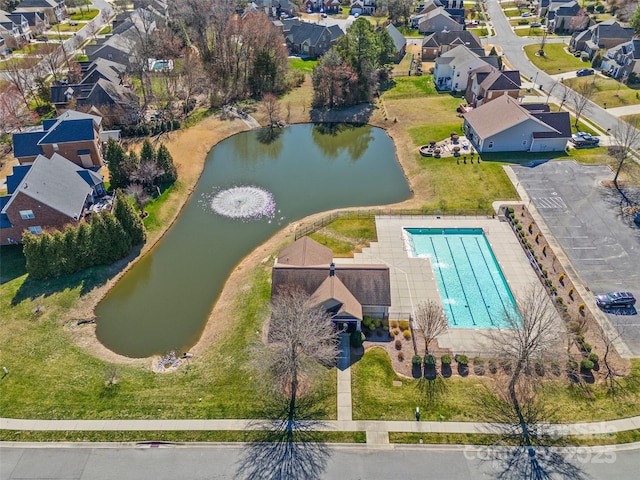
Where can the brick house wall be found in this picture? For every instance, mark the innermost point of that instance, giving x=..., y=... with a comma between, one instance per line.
x=44, y=216
x=70, y=151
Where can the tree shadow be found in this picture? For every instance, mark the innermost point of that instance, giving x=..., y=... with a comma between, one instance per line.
x=288, y=446
x=12, y=263
x=268, y=135
x=432, y=390
x=416, y=371
x=356, y=114
x=87, y=280
x=430, y=372
x=527, y=445
x=446, y=371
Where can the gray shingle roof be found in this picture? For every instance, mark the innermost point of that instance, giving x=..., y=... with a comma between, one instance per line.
x=399, y=41
x=57, y=183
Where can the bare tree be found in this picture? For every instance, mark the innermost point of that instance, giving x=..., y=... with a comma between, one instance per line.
x=53, y=61
x=580, y=99
x=13, y=113
x=564, y=94
x=301, y=339
x=430, y=321
x=19, y=78
x=139, y=194
x=192, y=78
x=271, y=107
x=147, y=173
x=626, y=138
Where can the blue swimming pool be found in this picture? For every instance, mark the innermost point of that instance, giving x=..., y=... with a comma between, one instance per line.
x=473, y=289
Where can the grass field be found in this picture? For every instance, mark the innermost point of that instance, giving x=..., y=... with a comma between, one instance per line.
x=411, y=87
x=374, y=396
x=556, y=60
x=83, y=14
x=608, y=91
x=302, y=64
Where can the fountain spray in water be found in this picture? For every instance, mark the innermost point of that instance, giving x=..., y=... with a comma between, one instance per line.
x=246, y=202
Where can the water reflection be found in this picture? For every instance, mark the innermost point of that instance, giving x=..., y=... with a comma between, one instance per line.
x=336, y=139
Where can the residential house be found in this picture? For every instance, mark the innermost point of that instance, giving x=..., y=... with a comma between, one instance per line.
x=48, y=194
x=544, y=5
x=122, y=44
x=349, y=292
x=74, y=135
x=604, y=35
x=363, y=7
x=485, y=86
x=399, y=42
x=54, y=10
x=14, y=29
x=158, y=8
x=311, y=39
x=285, y=24
x=623, y=60
x=437, y=20
x=37, y=21
x=438, y=43
x=452, y=68
x=567, y=17
x=504, y=125
x=327, y=6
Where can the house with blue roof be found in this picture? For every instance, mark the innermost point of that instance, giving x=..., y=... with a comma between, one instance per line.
x=74, y=135
x=48, y=194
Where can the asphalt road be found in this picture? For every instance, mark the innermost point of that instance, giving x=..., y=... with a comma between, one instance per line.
x=512, y=47
x=586, y=219
x=309, y=461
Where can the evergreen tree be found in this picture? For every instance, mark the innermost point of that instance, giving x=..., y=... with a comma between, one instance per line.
x=132, y=163
x=36, y=262
x=100, y=241
x=71, y=260
x=119, y=244
x=45, y=251
x=116, y=159
x=130, y=221
x=165, y=163
x=147, y=153
x=58, y=255
x=83, y=252
x=635, y=21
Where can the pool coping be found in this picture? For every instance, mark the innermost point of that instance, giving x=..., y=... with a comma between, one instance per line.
x=413, y=280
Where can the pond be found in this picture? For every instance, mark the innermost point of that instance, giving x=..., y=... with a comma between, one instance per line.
x=164, y=301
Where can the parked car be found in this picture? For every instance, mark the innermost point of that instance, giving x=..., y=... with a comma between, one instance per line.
x=526, y=14
x=42, y=38
x=583, y=139
x=615, y=299
x=584, y=72
x=323, y=15
x=535, y=24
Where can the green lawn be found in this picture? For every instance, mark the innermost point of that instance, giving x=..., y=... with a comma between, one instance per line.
x=84, y=14
x=609, y=91
x=456, y=399
x=303, y=65
x=481, y=32
x=631, y=118
x=402, y=68
x=106, y=30
x=556, y=60
x=51, y=377
x=408, y=31
x=411, y=87
x=66, y=27
x=513, y=12
x=345, y=235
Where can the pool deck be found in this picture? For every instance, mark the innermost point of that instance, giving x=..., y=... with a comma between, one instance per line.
x=413, y=280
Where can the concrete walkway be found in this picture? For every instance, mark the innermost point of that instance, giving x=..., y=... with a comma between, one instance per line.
x=627, y=110
x=344, y=379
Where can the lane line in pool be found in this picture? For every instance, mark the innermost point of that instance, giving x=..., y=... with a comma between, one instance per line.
x=493, y=280
x=444, y=284
x=475, y=277
x=473, y=320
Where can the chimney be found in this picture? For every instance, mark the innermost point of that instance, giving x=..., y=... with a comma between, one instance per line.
x=332, y=269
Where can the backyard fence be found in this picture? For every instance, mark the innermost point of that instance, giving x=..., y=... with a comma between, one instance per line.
x=426, y=213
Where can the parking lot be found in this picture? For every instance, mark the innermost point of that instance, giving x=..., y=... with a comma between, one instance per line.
x=586, y=219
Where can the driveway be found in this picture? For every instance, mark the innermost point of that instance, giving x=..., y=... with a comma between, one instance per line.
x=586, y=219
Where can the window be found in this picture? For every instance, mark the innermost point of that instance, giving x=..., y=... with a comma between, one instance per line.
x=27, y=214
x=490, y=145
x=36, y=230
x=524, y=142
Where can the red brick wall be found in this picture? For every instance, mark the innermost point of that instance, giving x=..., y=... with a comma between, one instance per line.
x=45, y=217
x=70, y=151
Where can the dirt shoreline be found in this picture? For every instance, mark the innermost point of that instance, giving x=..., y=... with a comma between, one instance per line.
x=189, y=149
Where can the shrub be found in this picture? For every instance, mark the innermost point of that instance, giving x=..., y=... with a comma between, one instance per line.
x=385, y=324
x=493, y=366
x=401, y=356
x=539, y=367
x=581, y=307
x=462, y=360
x=445, y=359
x=478, y=361
x=403, y=324
x=561, y=278
x=416, y=360
x=396, y=332
x=356, y=339
x=571, y=292
x=560, y=300
x=398, y=344
x=545, y=274
x=530, y=228
x=549, y=282
x=572, y=365
x=586, y=346
x=544, y=249
x=537, y=238
x=555, y=367
x=586, y=365
x=593, y=357
x=406, y=334
x=393, y=323
x=429, y=360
